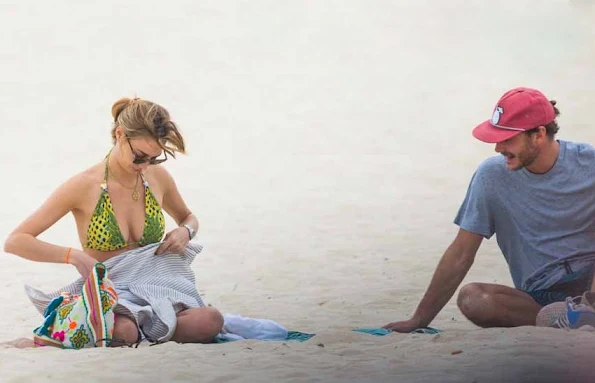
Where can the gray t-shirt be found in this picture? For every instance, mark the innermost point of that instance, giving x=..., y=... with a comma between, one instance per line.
x=540, y=220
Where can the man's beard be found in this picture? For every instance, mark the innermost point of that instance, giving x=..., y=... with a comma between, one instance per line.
x=525, y=158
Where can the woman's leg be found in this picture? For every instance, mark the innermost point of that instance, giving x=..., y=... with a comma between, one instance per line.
x=198, y=325
x=125, y=331
x=19, y=343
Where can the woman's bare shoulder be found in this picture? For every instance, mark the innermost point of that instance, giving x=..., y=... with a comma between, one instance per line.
x=87, y=179
x=159, y=174
x=74, y=193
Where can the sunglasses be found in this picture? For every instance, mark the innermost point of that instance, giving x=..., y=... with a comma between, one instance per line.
x=141, y=160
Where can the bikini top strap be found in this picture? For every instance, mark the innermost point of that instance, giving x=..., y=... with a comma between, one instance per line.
x=145, y=182
x=106, y=171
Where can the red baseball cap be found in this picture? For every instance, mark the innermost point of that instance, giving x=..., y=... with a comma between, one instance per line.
x=518, y=110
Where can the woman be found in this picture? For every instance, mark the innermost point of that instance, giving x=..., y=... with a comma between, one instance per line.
x=116, y=210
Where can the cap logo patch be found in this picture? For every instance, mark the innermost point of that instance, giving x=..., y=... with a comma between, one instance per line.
x=496, y=116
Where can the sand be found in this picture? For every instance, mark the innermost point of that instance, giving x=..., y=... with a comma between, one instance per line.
x=329, y=149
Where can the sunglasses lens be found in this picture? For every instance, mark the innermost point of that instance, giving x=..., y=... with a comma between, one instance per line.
x=156, y=162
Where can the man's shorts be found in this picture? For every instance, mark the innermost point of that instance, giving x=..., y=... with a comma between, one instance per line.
x=571, y=285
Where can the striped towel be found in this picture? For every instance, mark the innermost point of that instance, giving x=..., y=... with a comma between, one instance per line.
x=151, y=289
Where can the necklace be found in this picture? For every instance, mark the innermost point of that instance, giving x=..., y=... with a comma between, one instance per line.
x=135, y=193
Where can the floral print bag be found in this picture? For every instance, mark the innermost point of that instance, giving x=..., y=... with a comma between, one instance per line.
x=80, y=321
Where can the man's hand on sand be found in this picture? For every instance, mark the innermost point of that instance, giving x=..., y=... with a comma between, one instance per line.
x=403, y=326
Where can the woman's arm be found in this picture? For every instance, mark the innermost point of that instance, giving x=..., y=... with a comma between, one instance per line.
x=174, y=205
x=23, y=240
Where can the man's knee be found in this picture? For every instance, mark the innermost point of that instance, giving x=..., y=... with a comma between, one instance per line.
x=471, y=296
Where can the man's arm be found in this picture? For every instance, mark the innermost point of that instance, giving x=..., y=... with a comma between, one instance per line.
x=452, y=268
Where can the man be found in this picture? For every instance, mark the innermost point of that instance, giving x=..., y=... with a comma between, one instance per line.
x=538, y=197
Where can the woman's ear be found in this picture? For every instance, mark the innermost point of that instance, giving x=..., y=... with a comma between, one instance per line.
x=119, y=132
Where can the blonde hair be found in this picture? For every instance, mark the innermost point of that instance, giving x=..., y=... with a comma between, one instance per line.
x=142, y=118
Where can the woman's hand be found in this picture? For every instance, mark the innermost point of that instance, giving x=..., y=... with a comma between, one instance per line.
x=175, y=241
x=83, y=262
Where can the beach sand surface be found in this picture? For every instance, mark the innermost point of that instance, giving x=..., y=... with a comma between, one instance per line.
x=329, y=148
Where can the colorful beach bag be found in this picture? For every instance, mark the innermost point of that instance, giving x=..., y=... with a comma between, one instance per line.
x=80, y=321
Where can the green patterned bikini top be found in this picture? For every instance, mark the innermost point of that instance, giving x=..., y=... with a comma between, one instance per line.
x=104, y=234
